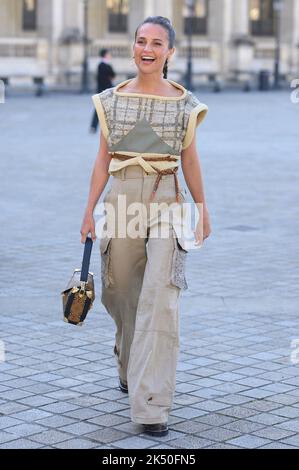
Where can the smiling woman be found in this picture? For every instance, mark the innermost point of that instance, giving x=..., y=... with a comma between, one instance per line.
x=147, y=122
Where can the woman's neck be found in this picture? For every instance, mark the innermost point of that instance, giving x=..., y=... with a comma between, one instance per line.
x=146, y=83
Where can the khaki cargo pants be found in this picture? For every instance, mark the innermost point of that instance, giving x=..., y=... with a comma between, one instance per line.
x=141, y=282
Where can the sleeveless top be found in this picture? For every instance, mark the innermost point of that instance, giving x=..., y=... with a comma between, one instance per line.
x=138, y=124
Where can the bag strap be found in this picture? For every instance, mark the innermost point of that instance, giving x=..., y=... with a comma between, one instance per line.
x=86, y=259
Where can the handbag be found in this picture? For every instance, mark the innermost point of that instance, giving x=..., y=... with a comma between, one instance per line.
x=79, y=294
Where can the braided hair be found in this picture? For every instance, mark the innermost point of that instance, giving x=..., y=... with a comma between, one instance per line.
x=166, y=24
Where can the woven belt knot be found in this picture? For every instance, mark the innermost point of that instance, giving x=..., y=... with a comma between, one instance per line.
x=170, y=171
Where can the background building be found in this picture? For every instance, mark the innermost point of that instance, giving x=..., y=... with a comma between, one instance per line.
x=232, y=39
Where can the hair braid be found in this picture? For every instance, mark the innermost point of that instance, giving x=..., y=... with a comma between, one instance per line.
x=165, y=69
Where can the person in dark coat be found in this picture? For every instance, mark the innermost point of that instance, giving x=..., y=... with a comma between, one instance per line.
x=105, y=74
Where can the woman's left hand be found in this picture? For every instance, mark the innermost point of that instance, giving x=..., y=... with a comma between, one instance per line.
x=203, y=227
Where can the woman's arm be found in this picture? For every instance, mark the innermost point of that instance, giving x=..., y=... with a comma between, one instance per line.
x=194, y=180
x=98, y=181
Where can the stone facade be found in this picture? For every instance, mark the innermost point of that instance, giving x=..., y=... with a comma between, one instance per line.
x=227, y=49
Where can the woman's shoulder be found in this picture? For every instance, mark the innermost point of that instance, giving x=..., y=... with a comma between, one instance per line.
x=107, y=93
x=104, y=98
x=103, y=95
x=193, y=101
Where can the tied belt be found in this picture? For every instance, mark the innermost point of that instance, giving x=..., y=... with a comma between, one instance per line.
x=170, y=171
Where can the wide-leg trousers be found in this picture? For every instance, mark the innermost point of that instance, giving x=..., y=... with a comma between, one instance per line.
x=142, y=278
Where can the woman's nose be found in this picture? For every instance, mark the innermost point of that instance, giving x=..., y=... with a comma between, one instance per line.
x=147, y=48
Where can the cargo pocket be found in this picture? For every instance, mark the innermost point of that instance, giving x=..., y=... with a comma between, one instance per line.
x=178, y=266
x=106, y=270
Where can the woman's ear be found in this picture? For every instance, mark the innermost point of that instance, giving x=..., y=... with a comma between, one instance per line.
x=171, y=52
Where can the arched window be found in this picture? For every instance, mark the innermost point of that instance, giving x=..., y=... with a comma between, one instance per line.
x=197, y=23
x=29, y=15
x=262, y=17
x=117, y=16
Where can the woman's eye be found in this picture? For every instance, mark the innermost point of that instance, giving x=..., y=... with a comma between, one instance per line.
x=156, y=43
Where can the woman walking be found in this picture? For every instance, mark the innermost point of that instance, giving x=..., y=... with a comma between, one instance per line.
x=148, y=125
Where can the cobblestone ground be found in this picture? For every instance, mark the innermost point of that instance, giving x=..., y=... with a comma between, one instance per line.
x=237, y=386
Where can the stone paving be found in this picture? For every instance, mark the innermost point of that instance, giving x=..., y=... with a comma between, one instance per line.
x=237, y=386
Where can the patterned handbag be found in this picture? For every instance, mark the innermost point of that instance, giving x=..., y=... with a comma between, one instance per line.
x=79, y=294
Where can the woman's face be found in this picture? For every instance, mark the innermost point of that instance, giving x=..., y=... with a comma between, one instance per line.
x=151, y=41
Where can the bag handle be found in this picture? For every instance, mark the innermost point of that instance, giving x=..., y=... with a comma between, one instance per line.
x=86, y=259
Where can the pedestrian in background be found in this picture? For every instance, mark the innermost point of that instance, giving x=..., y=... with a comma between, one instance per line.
x=105, y=75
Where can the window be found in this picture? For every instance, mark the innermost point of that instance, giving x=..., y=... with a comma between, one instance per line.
x=29, y=15
x=117, y=16
x=197, y=23
x=261, y=17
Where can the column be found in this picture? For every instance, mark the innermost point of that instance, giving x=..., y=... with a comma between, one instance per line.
x=50, y=25
x=240, y=23
x=97, y=18
x=177, y=18
x=290, y=37
x=7, y=19
x=137, y=13
x=46, y=22
x=158, y=7
x=241, y=52
x=215, y=20
x=219, y=31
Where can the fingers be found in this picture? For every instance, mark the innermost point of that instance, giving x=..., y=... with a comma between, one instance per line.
x=207, y=233
x=85, y=232
x=93, y=234
x=198, y=238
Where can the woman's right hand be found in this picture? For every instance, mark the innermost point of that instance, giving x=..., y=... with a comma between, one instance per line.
x=88, y=226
